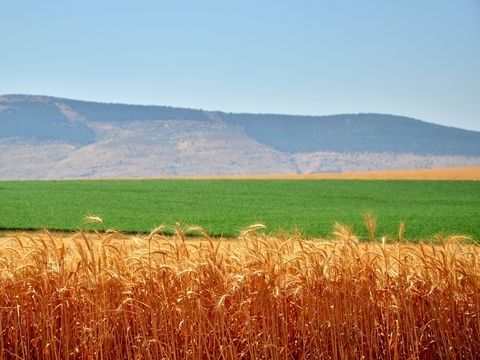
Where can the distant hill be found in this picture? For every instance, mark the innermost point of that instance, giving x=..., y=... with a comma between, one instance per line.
x=24, y=119
x=47, y=137
x=357, y=133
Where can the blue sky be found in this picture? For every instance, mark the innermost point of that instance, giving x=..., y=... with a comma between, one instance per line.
x=416, y=58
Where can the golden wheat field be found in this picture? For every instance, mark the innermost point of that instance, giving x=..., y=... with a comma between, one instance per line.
x=112, y=296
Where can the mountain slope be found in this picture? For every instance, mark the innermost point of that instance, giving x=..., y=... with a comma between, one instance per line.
x=41, y=121
x=357, y=133
x=46, y=137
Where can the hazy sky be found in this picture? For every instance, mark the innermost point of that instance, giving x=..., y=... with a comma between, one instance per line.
x=418, y=58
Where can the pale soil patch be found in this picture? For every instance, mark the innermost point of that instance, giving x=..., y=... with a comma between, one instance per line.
x=12, y=236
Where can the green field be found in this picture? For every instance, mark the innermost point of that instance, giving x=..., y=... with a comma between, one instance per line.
x=224, y=207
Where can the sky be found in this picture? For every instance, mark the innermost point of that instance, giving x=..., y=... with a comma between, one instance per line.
x=417, y=58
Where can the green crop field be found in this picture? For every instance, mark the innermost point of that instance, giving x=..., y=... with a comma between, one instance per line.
x=224, y=207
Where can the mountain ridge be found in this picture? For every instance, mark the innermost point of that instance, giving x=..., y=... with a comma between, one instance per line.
x=52, y=137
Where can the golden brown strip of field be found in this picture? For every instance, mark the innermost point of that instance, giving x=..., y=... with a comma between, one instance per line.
x=470, y=173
